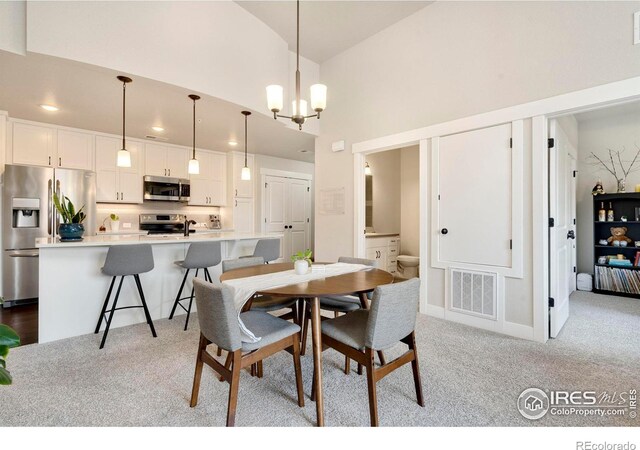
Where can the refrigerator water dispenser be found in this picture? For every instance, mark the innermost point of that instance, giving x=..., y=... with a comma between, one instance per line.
x=26, y=212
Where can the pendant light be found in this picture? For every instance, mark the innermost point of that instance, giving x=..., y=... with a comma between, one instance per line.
x=299, y=107
x=194, y=165
x=367, y=169
x=124, y=156
x=246, y=172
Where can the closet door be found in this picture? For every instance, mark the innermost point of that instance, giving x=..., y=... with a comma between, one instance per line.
x=298, y=214
x=474, y=197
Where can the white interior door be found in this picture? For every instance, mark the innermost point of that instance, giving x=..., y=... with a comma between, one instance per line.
x=562, y=234
x=287, y=211
x=474, y=197
x=298, y=214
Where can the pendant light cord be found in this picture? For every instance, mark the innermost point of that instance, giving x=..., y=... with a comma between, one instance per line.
x=298, y=58
x=124, y=100
x=245, y=140
x=194, y=129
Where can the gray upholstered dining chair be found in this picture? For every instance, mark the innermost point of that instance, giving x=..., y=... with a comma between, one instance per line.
x=264, y=303
x=219, y=325
x=338, y=304
x=390, y=320
x=268, y=249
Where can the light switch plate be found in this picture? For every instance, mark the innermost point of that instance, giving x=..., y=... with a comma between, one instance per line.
x=126, y=225
x=636, y=28
x=337, y=146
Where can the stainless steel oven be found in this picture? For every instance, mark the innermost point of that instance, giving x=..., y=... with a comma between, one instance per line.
x=166, y=189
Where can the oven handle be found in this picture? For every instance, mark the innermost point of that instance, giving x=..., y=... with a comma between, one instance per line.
x=31, y=253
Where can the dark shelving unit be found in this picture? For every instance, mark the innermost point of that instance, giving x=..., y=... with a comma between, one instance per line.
x=610, y=279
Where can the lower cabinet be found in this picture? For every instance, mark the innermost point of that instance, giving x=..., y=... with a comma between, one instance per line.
x=385, y=251
x=243, y=215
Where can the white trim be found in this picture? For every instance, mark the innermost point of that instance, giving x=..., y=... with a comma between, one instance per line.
x=516, y=270
x=434, y=311
x=423, y=235
x=590, y=98
x=285, y=173
x=359, y=222
x=518, y=330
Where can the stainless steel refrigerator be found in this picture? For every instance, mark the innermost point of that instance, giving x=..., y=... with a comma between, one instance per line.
x=28, y=213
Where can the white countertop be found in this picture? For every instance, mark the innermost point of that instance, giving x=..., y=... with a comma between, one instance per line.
x=103, y=240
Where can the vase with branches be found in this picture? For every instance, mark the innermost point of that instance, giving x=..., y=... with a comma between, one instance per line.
x=619, y=172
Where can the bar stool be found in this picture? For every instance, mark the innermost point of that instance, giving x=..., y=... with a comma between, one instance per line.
x=124, y=260
x=268, y=249
x=200, y=255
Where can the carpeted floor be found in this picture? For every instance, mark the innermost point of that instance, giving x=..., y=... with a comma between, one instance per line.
x=471, y=377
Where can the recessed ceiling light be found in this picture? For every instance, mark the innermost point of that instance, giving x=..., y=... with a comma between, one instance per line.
x=233, y=143
x=157, y=128
x=49, y=108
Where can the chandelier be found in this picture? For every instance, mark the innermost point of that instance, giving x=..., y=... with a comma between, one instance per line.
x=299, y=106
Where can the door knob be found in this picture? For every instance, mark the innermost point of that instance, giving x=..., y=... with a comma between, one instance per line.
x=571, y=234
x=444, y=231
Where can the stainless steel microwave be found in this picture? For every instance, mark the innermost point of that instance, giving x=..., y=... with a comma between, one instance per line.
x=166, y=189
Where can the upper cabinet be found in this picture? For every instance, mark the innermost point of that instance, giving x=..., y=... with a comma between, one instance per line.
x=42, y=145
x=166, y=161
x=117, y=184
x=75, y=150
x=208, y=187
x=241, y=188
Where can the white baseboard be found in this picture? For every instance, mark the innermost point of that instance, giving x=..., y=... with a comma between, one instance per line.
x=434, y=311
x=518, y=330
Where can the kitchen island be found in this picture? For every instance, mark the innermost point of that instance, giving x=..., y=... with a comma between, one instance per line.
x=72, y=287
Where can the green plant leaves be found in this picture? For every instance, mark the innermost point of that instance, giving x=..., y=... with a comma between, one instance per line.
x=68, y=211
x=5, y=377
x=8, y=337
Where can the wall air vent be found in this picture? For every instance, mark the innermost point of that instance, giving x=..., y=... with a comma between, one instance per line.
x=473, y=293
x=156, y=138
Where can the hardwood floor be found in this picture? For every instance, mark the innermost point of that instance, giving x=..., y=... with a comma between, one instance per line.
x=23, y=319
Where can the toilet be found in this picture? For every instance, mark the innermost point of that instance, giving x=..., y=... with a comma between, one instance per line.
x=408, y=266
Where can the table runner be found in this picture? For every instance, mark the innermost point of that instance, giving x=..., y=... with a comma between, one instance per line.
x=243, y=289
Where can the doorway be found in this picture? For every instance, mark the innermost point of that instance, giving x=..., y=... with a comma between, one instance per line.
x=391, y=204
x=286, y=210
x=590, y=153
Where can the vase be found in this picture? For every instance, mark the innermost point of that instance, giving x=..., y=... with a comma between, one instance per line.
x=301, y=267
x=621, y=186
x=71, y=231
x=115, y=225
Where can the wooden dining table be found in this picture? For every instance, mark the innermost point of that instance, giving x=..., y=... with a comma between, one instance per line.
x=358, y=283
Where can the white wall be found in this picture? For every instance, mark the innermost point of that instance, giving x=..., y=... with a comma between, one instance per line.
x=217, y=48
x=597, y=135
x=13, y=26
x=385, y=173
x=410, y=201
x=455, y=59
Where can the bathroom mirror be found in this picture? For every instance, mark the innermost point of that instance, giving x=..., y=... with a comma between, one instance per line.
x=368, y=188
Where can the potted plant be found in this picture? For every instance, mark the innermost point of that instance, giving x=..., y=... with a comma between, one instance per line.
x=115, y=222
x=302, y=262
x=72, y=228
x=8, y=339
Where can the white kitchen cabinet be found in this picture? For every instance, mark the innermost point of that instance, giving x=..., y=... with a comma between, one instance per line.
x=117, y=184
x=166, y=161
x=242, y=188
x=243, y=219
x=42, y=145
x=33, y=145
x=75, y=150
x=208, y=188
x=384, y=250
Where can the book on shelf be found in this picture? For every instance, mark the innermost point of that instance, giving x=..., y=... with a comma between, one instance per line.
x=620, y=262
x=617, y=280
x=637, y=260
